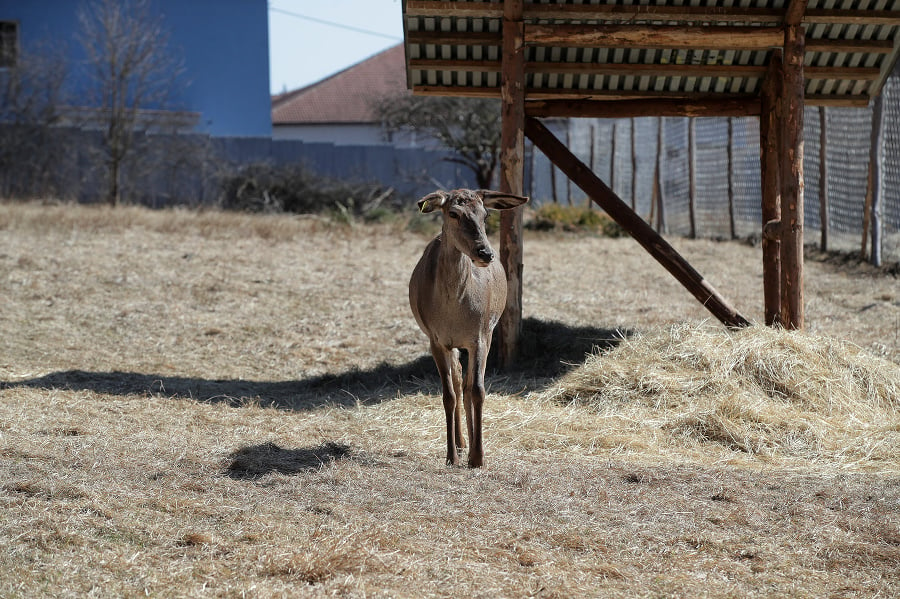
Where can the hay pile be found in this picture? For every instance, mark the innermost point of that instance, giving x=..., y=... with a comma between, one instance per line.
x=761, y=391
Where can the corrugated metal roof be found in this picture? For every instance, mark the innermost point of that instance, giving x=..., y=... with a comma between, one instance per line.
x=638, y=49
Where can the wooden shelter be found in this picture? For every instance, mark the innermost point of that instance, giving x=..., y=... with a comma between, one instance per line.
x=629, y=58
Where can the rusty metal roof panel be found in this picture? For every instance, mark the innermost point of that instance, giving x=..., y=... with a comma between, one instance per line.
x=645, y=48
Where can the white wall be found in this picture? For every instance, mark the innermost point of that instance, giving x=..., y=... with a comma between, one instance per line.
x=349, y=134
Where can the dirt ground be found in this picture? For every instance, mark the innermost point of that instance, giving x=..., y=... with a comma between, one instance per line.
x=211, y=404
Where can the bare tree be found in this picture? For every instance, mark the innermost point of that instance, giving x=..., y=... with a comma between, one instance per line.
x=133, y=76
x=469, y=127
x=32, y=97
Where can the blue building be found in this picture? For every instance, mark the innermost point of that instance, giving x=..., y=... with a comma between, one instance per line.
x=222, y=44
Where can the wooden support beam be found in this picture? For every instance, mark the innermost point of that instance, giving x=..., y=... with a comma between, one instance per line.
x=488, y=38
x=635, y=12
x=512, y=169
x=633, y=103
x=792, y=181
x=602, y=195
x=706, y=106
x=770, y=148
x=663, y=37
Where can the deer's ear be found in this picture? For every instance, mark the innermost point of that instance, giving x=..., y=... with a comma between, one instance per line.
x=432, y=201
x=501, y=201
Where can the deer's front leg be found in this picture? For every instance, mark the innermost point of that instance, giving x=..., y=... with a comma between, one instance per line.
x=443, y=359
x=474, y=400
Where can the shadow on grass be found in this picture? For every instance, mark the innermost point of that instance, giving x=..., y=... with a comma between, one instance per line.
x=252, y=462
x=547, y=350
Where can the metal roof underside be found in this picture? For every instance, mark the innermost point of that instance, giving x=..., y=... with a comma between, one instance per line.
x=640, y=49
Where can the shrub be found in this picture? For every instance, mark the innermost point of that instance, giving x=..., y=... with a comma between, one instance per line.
x=262, y=187
x=554, y=216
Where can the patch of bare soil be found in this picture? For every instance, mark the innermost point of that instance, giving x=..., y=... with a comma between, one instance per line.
x=211, y=404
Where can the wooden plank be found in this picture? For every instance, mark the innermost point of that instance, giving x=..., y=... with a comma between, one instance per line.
x=643, y=70
x=841, y=73
x=453, y=38
x=813, y=45
x=854, y=101
x=543, y=102
x=850, y=17
x=792, y=104
x=512, y=169
x=653, y=36
x=841, y=46
x=701, y=106
x=637, y=12
x=609, y=69
x=431, y=8
x=643, y=233
x=770, y=148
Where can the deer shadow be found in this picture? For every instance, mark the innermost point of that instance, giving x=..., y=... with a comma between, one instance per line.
x=547, y=350
x=255, y=461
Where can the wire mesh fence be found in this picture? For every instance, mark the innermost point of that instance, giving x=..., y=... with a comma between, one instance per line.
x=709, y=173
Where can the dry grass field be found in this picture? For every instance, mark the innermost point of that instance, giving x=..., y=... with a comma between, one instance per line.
x=203, y=404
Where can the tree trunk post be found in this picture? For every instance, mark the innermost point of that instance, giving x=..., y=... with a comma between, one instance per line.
x=512, y=149
x=792, y=179
x=770, y=147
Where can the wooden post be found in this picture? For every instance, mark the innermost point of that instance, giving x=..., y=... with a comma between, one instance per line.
x=692, y=176
x=732, y=225
x=553, y=183
x=792, y=179
x=867, y=206
x=568, y=182
x=643, y=233
x=823, y=179
x=612, y=160
x=770, y=146
x=873, y=198
x=658, y=189
x=512, y=150
x=633, y=166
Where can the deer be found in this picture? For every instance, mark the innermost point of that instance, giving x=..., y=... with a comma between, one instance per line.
x=457, y=293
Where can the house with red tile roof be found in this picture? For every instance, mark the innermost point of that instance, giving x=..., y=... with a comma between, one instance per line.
x=339, y=109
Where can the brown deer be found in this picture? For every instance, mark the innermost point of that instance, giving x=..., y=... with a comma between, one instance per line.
x=457, y=293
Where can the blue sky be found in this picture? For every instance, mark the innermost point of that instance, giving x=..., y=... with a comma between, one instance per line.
x=312, y=39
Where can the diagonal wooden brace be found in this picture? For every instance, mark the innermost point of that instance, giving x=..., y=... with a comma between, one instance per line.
x=643, y=233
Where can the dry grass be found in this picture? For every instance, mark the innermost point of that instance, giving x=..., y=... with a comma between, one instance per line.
x=209, y=404
x=765, y=392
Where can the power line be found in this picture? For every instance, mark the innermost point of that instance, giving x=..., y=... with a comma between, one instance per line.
x=333, y=24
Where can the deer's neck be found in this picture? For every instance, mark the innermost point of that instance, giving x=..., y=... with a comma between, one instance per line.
x=454, y=267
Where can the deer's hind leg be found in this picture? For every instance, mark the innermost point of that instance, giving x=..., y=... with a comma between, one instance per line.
x=456, y=368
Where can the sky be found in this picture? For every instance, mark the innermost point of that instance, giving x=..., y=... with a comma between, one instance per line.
x=312, y=39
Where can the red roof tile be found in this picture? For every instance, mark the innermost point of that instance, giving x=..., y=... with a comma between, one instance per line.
x=346, y=96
